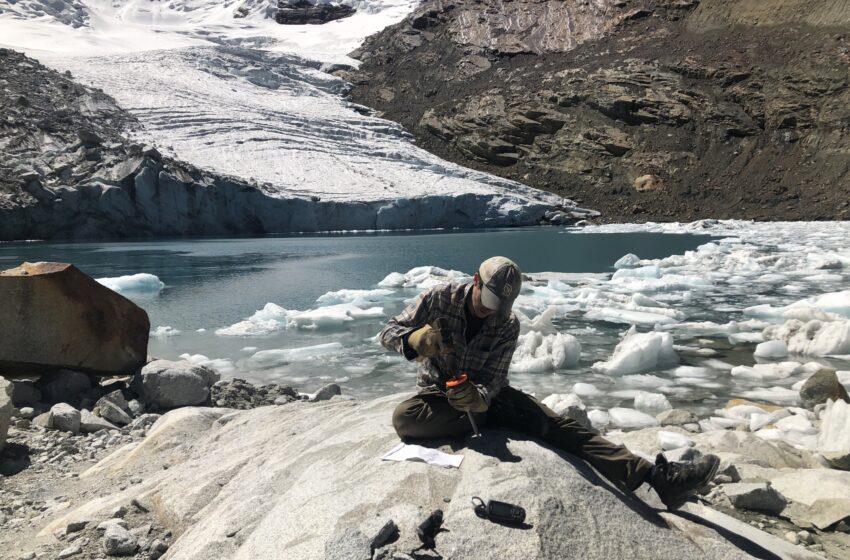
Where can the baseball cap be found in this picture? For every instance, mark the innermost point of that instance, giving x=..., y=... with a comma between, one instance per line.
x=501, y=280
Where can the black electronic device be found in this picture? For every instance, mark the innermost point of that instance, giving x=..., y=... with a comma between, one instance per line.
x=428, y=529
x=499, y=512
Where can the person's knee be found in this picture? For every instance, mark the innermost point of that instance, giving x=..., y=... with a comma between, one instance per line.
x=403, y=419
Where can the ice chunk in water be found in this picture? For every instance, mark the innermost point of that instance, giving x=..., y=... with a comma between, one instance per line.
x=772, y=349
x=651, y=271
x=627, y=261
x=835, y=427
x=267, y=320
x=133, y=284
x=423, y=277
x=333, y=316
x=639, y=352
x=776, y=395
x=652, y=403
x=588, y=390
x=673, y=440
x=782, y=370
x=844, y=378
x=538, y=352
x=645, y=381
x=817, y=338
x=631, y=418
x=221, y=365
x=834, y=302
x=560, y=403
x=273, y=358
x=629, y=317
x=360, y=298
x=164, y=331
x=695, y=372
x=599, y=418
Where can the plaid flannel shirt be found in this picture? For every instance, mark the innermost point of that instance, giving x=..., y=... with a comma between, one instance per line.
x=485, y=359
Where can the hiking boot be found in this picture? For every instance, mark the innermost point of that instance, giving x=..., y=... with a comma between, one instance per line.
x=675, y=483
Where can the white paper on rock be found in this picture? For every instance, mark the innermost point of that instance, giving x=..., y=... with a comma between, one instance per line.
x=407, y=452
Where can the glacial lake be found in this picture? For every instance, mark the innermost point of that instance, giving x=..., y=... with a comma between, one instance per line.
x=304, y=310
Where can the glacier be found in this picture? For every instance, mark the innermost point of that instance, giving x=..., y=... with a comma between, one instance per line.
x=247, y=98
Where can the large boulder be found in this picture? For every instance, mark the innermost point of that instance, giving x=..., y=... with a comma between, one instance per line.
x=66, y=418
x=822, y=386
x=168, y=384
x=55, y=316
x=318, y=466
x=5, y=409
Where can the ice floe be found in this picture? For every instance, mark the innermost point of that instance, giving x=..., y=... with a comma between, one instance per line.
x=639, y=352
x=536, y=351
x=133, y=284
x=164, y=331
x=816, y=338
x=631, y=418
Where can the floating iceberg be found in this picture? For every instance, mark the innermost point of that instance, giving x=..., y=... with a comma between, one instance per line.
x=274, y=358
x=142, y=283
x=639, y=352
x=631, y=418
x=164, y=331
x=652, y=403
x=772, y=349
x=536, y=352
x=816, y=338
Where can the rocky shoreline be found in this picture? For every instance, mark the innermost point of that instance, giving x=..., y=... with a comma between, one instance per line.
x=50, y=443
x=770, y=485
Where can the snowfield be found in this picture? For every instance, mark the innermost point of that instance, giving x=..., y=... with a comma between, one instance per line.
x=248, y=98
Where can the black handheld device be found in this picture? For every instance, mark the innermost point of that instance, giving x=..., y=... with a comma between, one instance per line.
x=428, y=529
x=499, y=512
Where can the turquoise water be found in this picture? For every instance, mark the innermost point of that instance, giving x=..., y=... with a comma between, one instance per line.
x=213, y=283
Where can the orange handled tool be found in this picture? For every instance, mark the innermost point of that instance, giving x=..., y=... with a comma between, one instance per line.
x=457, y=381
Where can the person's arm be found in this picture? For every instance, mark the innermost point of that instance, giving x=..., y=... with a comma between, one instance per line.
x=395, y=334
x=499, y=361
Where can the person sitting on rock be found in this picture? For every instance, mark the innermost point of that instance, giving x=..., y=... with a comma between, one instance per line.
x=477, y=337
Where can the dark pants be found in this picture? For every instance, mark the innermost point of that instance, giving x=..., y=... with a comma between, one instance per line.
x=429, y=415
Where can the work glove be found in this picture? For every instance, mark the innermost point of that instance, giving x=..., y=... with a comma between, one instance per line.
x=427, y=342
x=466, y=398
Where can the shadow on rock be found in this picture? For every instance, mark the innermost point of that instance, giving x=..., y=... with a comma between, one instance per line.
x=14, y=459
x=746, y=545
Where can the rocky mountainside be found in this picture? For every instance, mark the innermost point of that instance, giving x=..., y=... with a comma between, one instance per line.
x=643, y=109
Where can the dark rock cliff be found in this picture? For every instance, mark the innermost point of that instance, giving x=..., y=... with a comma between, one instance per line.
x=644, y=110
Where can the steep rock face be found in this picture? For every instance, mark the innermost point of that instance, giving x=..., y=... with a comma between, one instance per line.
x=303, y=12
x=644, y=110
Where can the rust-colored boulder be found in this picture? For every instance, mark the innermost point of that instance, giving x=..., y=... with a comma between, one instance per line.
x=54, y=316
